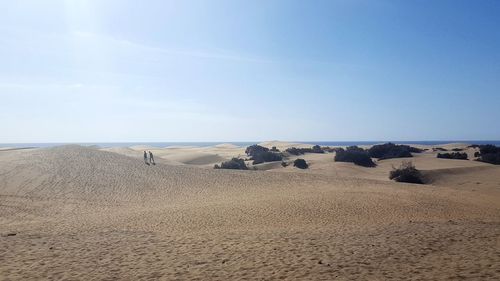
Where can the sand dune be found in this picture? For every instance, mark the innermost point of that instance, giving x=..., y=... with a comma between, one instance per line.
x=283, y=145
x=187, y=155
x=81, y=213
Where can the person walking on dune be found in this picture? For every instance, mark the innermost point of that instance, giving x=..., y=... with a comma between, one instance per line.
x=151, y=158
x=146, y=158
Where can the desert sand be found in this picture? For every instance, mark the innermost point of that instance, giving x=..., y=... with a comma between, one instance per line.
x=82, y=213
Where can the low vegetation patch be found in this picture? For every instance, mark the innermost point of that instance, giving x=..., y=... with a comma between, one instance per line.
x=299, y=151
x=294, y=151
x=406, y=173
x=439, y=149
x=235, y=164
x=300, y=163
x=488, y=148
x=489, y=154
x=354, y=155
x=260, y=154
x=453, y=155
x=267, y=156
x=329, y=149
x=390, y=150
x=255, y=149
x=317, y=149
x=492, y=158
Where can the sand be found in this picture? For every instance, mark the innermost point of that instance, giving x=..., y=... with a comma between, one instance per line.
x=83, y=213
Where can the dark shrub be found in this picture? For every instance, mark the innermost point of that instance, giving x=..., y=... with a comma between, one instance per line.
x=354, y=155
x=453, y=155
x=300, y=151
x=284, y=164
x=267, y=156
x=379, y=150
x=329, y=149
x=457, y=149
x=492, y=158
x=235, y=163
x=300, y=163
x=473, y=146
x=415, y=149
x=337, y=149
x=294, y=151
x=274, y=149
x=391, y=150
x=488, y=153
x=439, y=149
x=355, y=148
x=397, y=153
x=260, y=154
x=317, y=149
x=488, y=148
x=255, y=149
x=406, y=173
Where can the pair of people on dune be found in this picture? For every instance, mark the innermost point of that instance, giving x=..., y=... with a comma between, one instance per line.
x=151, y=158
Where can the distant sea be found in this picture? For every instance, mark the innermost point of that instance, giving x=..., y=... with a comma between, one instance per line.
x=243, y=144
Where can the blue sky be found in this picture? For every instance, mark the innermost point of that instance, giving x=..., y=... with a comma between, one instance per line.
x=76, y=71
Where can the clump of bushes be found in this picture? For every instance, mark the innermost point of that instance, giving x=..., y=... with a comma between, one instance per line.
x=329, y=149
x=439, y=149
x=317, y=149
x=300, y=151
x=453, y=155
x=489, y=154
x=457, y=149
x=406, y=173
x=354, y=155
x=414, y=149
x=294, y=151
x=354, y=148
x=488, y=148
x=336, y=149
x=492, y=158
x=255, y=149
x=300, y=163
x=235, y=164
x=391, y=150
x=260, y=154
x=274, y=149
x=267, y=156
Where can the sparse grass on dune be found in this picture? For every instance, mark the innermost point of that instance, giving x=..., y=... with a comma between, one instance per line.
x=406, y=173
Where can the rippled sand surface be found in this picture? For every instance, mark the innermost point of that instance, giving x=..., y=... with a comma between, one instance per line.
x=81, y=213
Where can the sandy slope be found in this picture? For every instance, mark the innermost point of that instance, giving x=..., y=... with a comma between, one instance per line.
x=88, y=214
x=188, y=155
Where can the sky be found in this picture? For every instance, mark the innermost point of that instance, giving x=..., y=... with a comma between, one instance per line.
x=158, y=71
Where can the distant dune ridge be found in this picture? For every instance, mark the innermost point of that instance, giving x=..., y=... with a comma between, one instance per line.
x=74, y=212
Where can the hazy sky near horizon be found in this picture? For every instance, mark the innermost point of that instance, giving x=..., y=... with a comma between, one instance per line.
x=116, y=70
